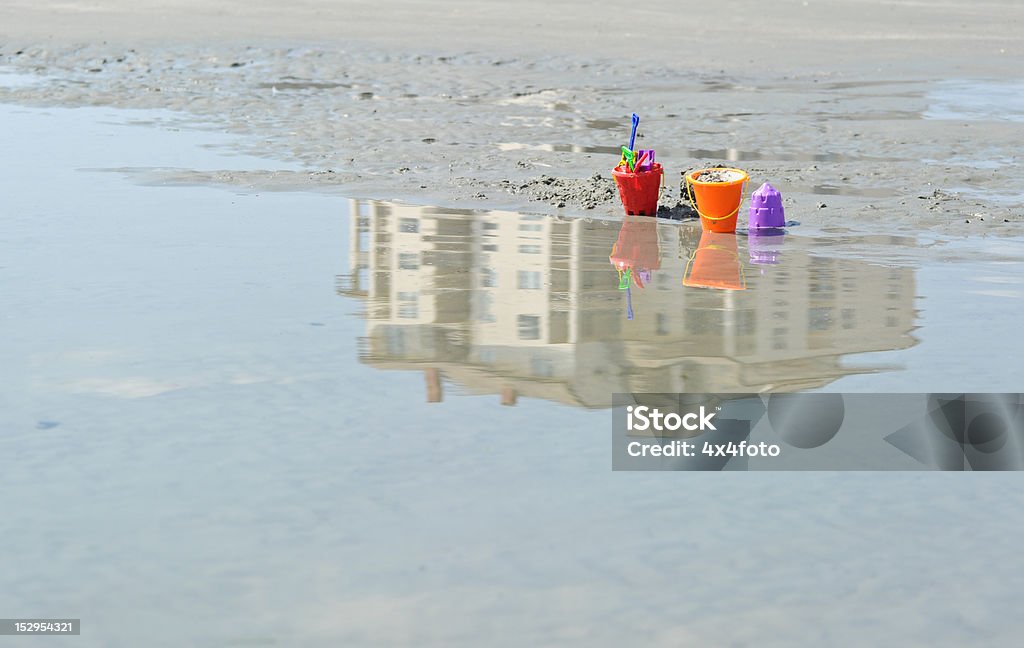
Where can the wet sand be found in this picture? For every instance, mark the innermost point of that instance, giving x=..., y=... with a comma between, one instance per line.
x=250, y=398
x=870, y=122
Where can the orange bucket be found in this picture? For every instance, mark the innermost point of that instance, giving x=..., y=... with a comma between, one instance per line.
x=715, y=263
x=717, y=203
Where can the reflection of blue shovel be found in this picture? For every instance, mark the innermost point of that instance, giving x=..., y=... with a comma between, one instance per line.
x=629, y=303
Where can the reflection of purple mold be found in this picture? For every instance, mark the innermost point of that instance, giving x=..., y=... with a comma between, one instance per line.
x=764, y=245
x=766, y=208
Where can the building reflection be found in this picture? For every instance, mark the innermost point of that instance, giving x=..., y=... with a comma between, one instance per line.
x=525, y=305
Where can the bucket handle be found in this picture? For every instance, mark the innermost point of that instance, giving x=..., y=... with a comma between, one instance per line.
x=693, y=257
x=693, y=203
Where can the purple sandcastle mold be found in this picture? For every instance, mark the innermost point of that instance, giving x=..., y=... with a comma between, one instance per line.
x=766, y=208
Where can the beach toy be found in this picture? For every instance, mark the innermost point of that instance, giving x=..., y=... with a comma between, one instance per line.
x=717, y=203
x=645, y=160
x=766, y=208
x=764, y=245
x=641, y=161
x=632, y=135
x=715, y=263
x=628, y=159
x=639, y=190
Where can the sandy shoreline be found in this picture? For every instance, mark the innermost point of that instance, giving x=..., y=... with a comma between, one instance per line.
x=433, y=121
x=892, y=38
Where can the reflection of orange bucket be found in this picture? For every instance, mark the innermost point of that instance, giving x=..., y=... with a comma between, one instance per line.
x=715, y=263
x=639, y=191
x=717, y=203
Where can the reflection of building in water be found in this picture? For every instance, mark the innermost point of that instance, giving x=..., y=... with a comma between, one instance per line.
x=516, y=304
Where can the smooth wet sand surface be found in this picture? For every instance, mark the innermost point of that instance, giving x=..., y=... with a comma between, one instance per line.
x=250, y=399
x=873, y=120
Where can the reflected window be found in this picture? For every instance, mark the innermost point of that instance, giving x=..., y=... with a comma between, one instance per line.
x=490, y=247
x=661, y=320
x=542, y=367
x=822, y=287
x=485, y=307
x=408, y=307
x=395, y=340
x=490, y=226
x=408, y=310
x=819, y=319
x=528, y=279
x=488, y=278
x=703, y=321
x=530, y=227
x=409, y=261
x=529, y=249
x=849, y=318
x=778, y=341
x=746, y=321
x=529, y=327
x=487, y=356
x=409, y=225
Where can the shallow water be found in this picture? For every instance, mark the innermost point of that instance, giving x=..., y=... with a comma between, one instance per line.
x=205, y=444
x=976, y=100
x=11, y=78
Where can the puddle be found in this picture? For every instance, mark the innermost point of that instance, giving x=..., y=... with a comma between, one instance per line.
x=726, y=154
x=847, y=190
x=976, y=101
x=302, y=84
x=987, y=195
x=9, y=78
x=180, y=362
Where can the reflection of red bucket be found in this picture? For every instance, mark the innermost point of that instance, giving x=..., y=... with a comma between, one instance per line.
x=639, y=191
x=637, y=245
x=715, y=263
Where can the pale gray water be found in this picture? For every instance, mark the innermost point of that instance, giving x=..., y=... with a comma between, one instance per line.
x=194, y=454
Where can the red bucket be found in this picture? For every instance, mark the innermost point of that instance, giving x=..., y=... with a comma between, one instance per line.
x=639, y=190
